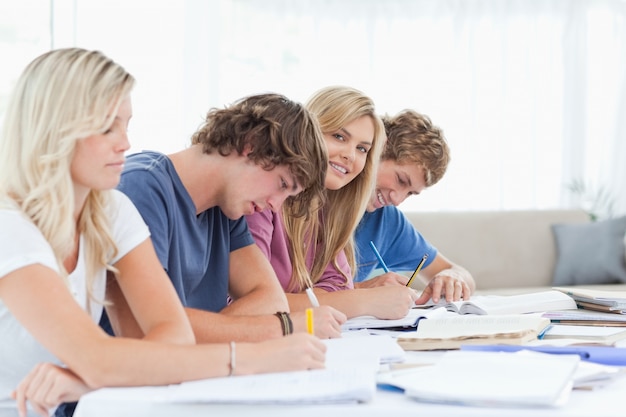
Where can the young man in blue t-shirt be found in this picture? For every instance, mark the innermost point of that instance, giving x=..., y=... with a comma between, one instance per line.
x=415, y=157
x=255, y=154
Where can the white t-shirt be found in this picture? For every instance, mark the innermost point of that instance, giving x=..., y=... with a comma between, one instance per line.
x=22, y=244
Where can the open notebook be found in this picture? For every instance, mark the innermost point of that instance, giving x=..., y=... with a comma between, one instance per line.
x=480, y=305
x=405, y=323
x=311, y=387
x=349, y=377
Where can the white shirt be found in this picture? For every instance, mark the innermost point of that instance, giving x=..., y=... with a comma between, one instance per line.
x=22, y=244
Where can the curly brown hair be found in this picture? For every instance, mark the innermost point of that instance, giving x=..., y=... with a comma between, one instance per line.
x=412, y=138
x=276, y=131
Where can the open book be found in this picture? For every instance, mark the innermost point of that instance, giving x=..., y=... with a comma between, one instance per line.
x=510, y=304
x=478, y=305
x=450, y=332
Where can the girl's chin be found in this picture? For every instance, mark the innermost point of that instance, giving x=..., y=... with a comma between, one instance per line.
x=337, y=183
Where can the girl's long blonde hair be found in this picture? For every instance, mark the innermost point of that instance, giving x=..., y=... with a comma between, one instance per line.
x=61, y=97
x=331, y=230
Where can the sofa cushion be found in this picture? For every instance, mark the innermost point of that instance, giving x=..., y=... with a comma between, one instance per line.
x=592, y=253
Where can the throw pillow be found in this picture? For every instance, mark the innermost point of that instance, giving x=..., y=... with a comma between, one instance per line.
x=590, y=253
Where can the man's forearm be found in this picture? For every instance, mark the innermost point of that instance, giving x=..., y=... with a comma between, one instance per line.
x=212, y=327
x=261, y=301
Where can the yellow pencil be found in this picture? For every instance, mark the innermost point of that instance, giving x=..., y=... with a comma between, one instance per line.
x=417, y=270
x=309, y=321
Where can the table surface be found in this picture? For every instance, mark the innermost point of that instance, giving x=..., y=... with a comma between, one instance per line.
x=605, y=401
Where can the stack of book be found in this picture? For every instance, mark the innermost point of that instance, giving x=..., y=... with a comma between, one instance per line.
x=586, y=318
x=561, y=335
x=451, y=332
x=597, y=300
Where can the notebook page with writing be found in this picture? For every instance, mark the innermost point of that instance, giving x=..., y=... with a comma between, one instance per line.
x=349, y=376
x=309, y=387
x=409, y=321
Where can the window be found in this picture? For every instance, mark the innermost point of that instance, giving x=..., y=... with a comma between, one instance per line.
x=529, y=94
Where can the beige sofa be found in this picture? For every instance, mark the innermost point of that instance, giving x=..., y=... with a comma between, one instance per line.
x=506, y=251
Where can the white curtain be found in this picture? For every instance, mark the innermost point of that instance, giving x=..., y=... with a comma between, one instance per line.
x=529, y=93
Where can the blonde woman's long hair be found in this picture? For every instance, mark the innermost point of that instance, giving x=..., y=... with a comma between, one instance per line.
x=61, y=97
x=331, y=230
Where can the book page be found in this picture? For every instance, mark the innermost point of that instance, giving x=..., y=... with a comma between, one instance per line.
x=349, y=376
x=316, y=386
x=593, y=333
x=511, y=304
x=473, y=325
x=587, y=317
x=453, y=332
x=489, y=379
x=410, y=320
x=384, y=346
x=598, y=295
x=523, y=303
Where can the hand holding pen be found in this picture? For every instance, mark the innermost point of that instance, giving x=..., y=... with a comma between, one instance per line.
x=386, y=269
x=309, y=311
x=323, y=321
x=380, y=258
x=447, y=281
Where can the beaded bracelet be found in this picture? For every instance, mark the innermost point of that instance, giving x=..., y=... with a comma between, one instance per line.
x=285, y=322
x=232, y=359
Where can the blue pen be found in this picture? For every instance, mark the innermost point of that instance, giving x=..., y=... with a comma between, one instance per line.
x=380, y=258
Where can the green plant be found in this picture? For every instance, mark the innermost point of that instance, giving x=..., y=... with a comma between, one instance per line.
x=598, y=202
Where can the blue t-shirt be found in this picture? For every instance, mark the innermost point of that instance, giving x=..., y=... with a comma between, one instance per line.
x=193, y=249
x=399, y=244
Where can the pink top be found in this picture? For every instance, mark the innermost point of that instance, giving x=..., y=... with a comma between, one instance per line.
x=269, y=233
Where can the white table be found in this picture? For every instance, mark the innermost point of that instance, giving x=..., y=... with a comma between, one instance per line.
x=604, y=402
x=608, y=401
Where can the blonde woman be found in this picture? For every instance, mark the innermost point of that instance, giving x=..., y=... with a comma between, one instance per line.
x=64, y=230
x=318, y=251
